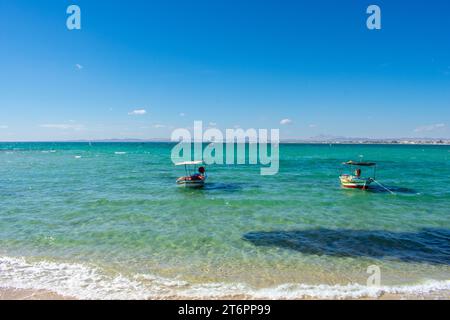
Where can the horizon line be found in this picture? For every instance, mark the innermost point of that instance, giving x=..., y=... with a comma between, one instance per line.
x=337, y=140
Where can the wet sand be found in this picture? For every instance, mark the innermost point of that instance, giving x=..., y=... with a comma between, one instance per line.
x=29, y=294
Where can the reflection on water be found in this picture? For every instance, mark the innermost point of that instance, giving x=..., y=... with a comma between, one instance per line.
x=211, y=186
x=224, y=186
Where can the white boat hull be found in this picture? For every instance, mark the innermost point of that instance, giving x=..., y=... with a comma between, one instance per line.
x=353, y=182
x=191, y=184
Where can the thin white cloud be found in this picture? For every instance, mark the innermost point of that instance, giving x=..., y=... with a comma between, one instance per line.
x=63, y=126
x=213, y=124
x=137, y=112
x=312, y=125
x=3, y=127
x=182, y=114
x=285, y=121
x=430, y=128
x=79, y=66
x=158, y=126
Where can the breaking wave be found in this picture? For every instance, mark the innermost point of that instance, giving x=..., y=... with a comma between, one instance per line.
x=90, y=282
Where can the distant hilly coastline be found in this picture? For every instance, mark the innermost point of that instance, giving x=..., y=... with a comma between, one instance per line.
x=320, y=139
x=354, y=140
x=325, y=139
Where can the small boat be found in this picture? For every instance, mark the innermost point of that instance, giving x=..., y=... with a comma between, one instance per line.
x=194, y=178
x=355, y=180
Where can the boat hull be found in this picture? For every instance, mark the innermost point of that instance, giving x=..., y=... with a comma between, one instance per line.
x=191, y=181
x=191, y=184
x=352, y=182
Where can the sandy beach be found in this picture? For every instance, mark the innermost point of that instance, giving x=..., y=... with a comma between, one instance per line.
x=26, y=294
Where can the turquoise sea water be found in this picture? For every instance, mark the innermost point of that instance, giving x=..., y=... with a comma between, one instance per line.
x=106, y=220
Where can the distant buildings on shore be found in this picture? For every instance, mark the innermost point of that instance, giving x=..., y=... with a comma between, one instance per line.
x=328, y=140
x=341, y=140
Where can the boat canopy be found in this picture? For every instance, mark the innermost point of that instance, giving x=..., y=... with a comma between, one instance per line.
x=188, y=163
x=363, y=164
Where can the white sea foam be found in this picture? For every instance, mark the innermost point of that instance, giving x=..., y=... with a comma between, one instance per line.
x=120, y=152
x=89, y=282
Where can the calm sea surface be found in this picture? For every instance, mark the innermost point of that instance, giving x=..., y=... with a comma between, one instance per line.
x=107, y=221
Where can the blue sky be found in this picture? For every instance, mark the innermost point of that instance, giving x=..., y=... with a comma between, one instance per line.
x=228, y=63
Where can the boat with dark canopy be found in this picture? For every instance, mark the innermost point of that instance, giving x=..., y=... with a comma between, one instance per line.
x=356, y=180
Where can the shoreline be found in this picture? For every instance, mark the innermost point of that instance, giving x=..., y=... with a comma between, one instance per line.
x=30, y=294
x=35, y=294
